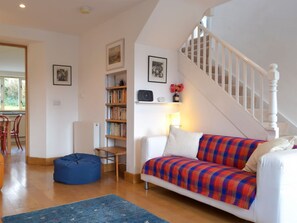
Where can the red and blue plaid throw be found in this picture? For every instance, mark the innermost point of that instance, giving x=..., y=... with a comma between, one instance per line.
x=225, y=150
x=223, y=183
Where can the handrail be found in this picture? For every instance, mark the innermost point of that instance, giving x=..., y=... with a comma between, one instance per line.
x=234, y=50
x=240, y=77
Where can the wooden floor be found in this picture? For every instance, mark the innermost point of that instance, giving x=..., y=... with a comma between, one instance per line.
x=28, y=187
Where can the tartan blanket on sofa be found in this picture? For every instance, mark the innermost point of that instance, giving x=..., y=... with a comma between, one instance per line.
x=220, y=182
x=226, y=150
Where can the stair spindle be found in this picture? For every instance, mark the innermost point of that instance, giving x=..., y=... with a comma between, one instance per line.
x=253, y=92
x=199, y=48
x=223, y=67
x=237, y=79
x=273, y=76
x=216, y=60
x=244, y=67
x=222, y=63
x=204, y=51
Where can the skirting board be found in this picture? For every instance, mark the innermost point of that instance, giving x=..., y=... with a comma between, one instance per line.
x=129, y=177
x=40, y=161
x=132, y=178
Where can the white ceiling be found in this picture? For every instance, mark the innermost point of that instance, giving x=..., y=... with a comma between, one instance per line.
x=54, y=15
x=61, y=15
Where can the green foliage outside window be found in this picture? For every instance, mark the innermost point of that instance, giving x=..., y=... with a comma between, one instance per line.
x=13, y=90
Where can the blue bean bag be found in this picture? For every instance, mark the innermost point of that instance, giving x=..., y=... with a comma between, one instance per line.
x=77, y=168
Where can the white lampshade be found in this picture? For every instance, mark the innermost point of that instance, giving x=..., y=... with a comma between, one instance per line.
x=174, y=119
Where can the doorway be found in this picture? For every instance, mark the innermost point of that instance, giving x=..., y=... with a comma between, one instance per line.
x=13, y=86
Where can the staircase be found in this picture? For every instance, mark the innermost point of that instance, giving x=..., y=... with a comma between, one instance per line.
x=249, y=85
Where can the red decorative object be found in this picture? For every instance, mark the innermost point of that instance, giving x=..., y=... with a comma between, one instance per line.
x=176, y=88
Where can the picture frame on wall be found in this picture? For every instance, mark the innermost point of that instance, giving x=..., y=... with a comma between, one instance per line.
x=115, y=54
x=157, y=69
x=62, y=75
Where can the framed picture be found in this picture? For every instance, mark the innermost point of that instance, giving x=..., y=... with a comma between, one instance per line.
x=115, y=55
x=62, y=75
x=157, y=69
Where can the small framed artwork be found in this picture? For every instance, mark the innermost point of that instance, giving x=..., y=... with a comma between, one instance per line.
x=115, y=55
x=157, y=69
x=62, y=75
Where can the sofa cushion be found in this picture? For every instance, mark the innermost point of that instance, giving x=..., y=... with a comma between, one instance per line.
x=182, y=143
x=226, y=150
x=279, y=144
x=223, y=183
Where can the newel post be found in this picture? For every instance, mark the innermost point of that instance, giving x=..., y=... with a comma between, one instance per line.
x=273, y=76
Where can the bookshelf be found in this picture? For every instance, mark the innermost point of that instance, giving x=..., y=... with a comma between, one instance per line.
x=116, y=107
x=116, y=121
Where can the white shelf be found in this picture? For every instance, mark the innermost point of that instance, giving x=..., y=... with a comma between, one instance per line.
x=156, y=102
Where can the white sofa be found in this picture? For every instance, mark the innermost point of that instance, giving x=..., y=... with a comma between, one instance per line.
x=276, y=196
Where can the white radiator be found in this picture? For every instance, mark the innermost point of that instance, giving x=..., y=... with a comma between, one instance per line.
x=86, y=137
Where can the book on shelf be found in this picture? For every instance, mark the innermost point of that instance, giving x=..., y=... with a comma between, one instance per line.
x=117, y=113
x=117, y=96
x=116, y=129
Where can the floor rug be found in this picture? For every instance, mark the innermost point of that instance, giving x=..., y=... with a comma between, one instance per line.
x=109, y=208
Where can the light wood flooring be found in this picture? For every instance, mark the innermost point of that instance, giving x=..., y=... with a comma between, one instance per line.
x=29, y=187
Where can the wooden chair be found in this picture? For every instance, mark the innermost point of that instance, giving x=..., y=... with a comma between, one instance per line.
x=4, y=121
x=15, y=131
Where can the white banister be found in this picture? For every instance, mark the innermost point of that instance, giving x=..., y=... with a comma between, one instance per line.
x=253, y=92
x=237, y=80
x=236, y=74
x=230, y=73
x=261, y=99
x=223, y=67
x=245, y=86
x=273, y=76
x=216, y=61
x=209, y=62
x=192, y=46
x=204, y=51
x=198, y=47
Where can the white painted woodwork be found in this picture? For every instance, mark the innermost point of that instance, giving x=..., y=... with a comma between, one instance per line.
x=245, y=79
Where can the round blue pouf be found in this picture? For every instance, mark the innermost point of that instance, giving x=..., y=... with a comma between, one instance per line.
x=77, y=168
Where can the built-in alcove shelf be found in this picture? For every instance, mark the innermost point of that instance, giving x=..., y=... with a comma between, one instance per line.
x=156, y=102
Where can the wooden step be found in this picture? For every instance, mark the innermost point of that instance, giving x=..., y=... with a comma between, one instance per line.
x=201, y=40
x=195, y=52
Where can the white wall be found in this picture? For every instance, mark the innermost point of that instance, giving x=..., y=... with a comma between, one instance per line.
x=92, y=72
x=202, y=116
x=60, y=118
x=172, y=21
x=151, y=119
x=266, y=32
x=50, y=128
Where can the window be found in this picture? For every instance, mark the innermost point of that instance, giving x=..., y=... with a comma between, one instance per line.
x=12, y=93
x=204, y=21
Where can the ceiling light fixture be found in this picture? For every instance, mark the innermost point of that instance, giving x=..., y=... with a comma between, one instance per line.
x=22, y=5
x=85, y=10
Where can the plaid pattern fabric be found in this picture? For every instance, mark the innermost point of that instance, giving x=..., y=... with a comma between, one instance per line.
x=223, y=183
x=225, y=150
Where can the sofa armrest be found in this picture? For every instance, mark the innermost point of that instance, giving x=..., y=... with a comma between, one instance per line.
x=152, y=147
x=276, y=187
